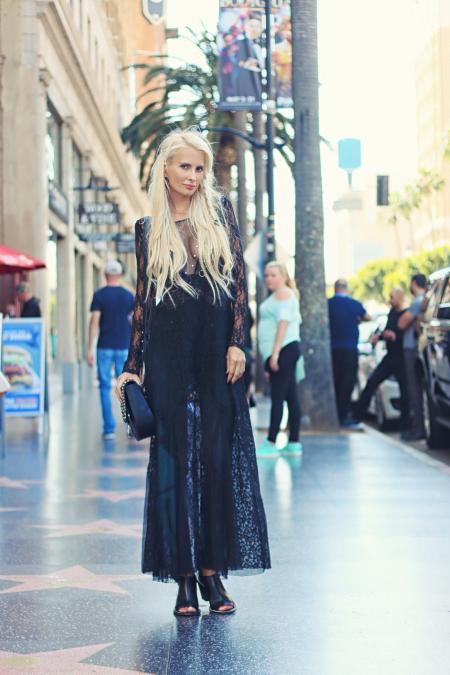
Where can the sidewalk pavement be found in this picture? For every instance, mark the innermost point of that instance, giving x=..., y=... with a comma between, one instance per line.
x=359, y=530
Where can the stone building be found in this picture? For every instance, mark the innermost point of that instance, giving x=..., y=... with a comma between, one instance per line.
x=433, y=118
x=65, y=92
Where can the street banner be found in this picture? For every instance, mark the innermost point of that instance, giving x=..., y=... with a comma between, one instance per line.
x=240, y=62
x=125, y=242
x=23, y=366
x=282, y=54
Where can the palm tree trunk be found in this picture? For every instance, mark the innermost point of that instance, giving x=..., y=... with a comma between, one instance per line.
x=260, y=188
x=318, y=396
x=241, y=146
x=224, y=160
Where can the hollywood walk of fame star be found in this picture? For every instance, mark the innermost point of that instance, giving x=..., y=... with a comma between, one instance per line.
x=120, y=471
x=112, y=495
x=59, y=662
x=93, y=527
x=16, y=484
x=69, y=577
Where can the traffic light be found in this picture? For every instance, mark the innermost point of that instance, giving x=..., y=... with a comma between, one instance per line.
x=382, y=190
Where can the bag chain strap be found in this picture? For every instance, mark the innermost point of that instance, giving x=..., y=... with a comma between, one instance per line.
x=123, y=405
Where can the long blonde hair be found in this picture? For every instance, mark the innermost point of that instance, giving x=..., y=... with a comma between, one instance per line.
x=290, y=282
x=166, y=252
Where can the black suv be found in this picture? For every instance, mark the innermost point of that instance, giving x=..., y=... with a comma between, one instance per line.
x=434, y=356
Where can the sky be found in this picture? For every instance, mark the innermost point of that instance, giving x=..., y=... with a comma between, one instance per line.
x=367, y=90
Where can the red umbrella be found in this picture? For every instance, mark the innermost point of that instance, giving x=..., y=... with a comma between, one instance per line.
x=12, y=261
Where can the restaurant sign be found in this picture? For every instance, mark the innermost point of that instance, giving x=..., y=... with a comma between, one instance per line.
x=94, y=213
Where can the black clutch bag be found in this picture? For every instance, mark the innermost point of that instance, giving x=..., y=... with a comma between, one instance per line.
x=136, y=411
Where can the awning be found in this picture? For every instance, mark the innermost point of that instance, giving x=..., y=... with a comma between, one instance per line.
x=12, y=261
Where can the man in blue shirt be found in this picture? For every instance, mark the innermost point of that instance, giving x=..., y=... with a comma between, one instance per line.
x=111, y=309
x=345, y=316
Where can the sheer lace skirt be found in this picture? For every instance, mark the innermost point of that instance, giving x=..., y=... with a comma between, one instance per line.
x=203, y=505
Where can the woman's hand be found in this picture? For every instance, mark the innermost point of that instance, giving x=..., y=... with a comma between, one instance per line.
x=235, y=364
x=121, y=379
x=274, y=362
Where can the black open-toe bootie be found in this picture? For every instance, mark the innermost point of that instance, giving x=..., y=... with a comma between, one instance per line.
x=187, y=596
x=212, y=590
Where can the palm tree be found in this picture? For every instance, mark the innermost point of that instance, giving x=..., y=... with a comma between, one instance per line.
x=186, y=95
x=183, y=95
x=318, y=389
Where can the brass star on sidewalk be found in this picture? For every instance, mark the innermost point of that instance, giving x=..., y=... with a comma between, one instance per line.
x=93, y=527
x=16, y=484
x=120, y=471
x=69, y=577
x=59, y=661
x=133, y=454
x=112, y=495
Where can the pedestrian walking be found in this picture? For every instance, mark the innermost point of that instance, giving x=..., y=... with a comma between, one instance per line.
x=279, y=345
x=249, y=361
x=30, y=305
x=391, y=364
x=204, y=515
x=408, y=323
x=345, y=315
x=111, y=309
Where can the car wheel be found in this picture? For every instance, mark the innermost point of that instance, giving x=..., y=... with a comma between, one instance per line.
x=382, y=421
x=436, y=435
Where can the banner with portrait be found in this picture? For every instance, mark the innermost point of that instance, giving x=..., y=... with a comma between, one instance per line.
x=282, y=54
x=241, y=60
x=24, y=366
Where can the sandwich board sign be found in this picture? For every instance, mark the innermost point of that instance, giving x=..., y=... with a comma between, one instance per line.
x=24, y=366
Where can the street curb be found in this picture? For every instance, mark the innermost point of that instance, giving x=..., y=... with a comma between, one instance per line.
x=418, y=454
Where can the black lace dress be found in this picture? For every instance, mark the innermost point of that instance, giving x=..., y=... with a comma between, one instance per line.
x=203, y=506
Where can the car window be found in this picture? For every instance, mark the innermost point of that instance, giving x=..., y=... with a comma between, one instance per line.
x=446, y=296
x=366, y=329
x=433, y=298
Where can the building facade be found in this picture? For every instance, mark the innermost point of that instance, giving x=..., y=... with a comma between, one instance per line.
x=433, y=117
x=67, y=89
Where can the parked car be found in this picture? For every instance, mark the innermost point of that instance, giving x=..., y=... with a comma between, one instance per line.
x=434, y=360
x=385, y=404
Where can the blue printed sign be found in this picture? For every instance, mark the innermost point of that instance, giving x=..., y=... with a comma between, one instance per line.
x=23, y=365
x=349, y=153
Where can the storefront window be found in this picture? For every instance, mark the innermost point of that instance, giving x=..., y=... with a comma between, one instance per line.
x=53, y=146
x=78, y=179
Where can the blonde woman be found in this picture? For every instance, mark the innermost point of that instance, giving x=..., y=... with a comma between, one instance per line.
x=204, y=515
x=279, y=345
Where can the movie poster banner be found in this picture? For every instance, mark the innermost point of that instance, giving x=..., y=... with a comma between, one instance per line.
x=241, y=60
x=23, y=366
x=282, y=53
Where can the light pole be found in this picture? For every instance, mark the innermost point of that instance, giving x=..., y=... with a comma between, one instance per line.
x=270, y=109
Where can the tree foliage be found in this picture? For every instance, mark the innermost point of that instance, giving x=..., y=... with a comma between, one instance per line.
x=376, y=279
x=185, y=95
x=411, y=199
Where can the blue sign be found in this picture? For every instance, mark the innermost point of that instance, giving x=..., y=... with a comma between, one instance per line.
x=23, y=365
x=349, y=153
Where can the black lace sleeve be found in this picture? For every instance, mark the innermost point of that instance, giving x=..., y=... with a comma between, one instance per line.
x=240, y=302
x=134, y=362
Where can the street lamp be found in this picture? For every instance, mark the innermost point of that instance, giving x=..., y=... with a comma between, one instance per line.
x=270, y=111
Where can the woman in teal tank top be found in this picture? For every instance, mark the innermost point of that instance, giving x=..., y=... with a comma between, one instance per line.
x=279, y=345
